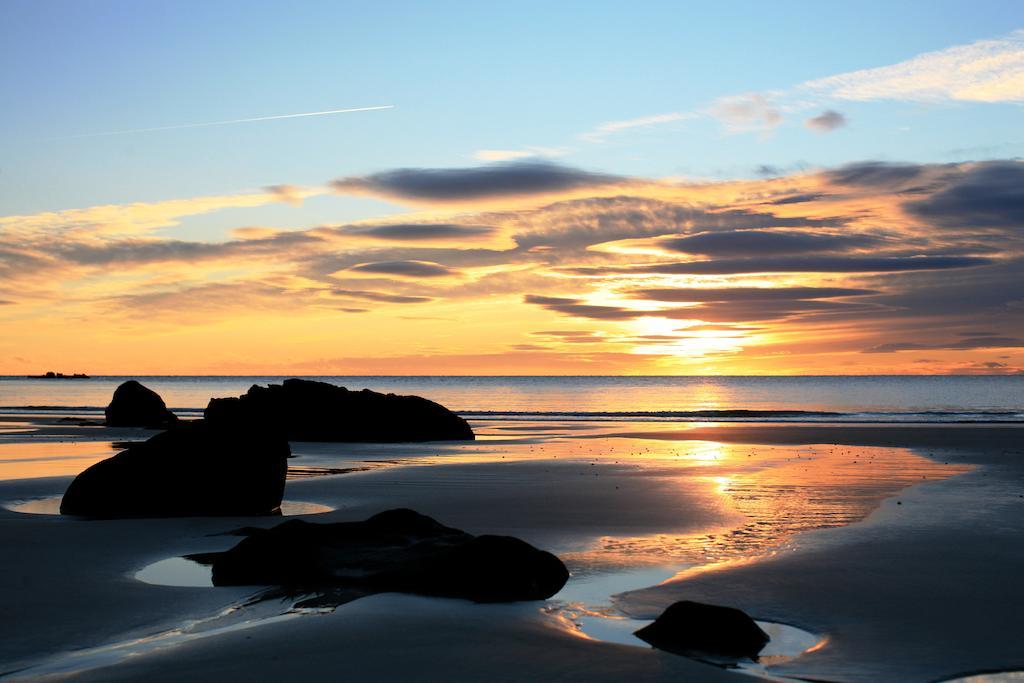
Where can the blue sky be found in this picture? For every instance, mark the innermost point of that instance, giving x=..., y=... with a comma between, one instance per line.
x=592, y=187
x=463, y=77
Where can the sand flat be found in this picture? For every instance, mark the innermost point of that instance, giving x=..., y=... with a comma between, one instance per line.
x=783, y=515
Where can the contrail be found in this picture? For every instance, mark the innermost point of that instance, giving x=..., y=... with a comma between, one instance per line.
x=225, y=123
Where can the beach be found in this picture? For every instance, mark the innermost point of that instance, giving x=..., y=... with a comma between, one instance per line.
x=891, y=549
x=467, y=341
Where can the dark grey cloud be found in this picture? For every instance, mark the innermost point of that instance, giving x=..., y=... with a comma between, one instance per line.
x=719, y=327
x=713, y=312
x=738, y=243
x=875, y=174
x=581, y=223
x=576, y=308
x=216, y=298
x=980, y=297
x=808, y=264
x=572, y=336
x=799, y=198
x=984, y=195
x=564, y=333
x=160, y=251
x=716, y=294
x=955, y=345
x=479, y=182
x=422, y=231
x=14, y=262
x=286, y=193
x=405, y=268
x=826, y=122
x=756, y=311
x=323, y=264
x=140, y=252
x=382, y=297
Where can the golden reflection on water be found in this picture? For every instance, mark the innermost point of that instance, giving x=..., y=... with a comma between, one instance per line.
x=759, y=497
x=778, y=492
x=774, y=492
x=19, y=460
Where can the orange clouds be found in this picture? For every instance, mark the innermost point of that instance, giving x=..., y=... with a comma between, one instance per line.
x=785, y=275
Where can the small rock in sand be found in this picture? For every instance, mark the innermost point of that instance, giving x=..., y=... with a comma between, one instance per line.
x=191, y=469
x=694, y=628
x=134, y=405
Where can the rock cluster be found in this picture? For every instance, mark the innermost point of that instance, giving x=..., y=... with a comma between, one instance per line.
x=234, y=461
x=394, y=551
x=317, y=411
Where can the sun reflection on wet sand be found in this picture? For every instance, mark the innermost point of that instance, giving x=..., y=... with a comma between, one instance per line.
x=777, y=491
x=49, y=459
x=767, y=494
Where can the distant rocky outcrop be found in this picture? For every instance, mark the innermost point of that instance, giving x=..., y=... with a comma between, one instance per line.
x=398, y=550
x=134, y=405
x=316, y=411
x=694, y=628
x=191, y=469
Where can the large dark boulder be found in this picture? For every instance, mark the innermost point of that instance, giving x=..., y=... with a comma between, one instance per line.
x=134, y=405
x=694, y=628
x=398, y=550
x=316, y=411
x=191, y=469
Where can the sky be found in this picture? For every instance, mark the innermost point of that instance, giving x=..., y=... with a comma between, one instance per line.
x=726, y=188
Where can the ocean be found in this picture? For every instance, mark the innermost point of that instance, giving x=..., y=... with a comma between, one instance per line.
x=719, y=399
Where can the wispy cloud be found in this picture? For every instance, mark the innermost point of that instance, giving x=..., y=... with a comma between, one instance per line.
x=748, y=112
x=517, y=154
x=601, y=132
x=983, y=71
x=141, y=217
x=207, y=124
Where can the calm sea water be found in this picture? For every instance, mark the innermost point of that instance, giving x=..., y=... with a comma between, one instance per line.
x=901, y=398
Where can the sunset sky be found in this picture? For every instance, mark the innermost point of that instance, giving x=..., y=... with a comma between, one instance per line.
x=529, y=188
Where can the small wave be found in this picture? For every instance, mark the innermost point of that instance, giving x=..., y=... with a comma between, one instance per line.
x=720, y=415
x=660, y=413
x=796, y=416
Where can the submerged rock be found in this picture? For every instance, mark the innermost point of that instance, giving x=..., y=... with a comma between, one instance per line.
x=317, y=411
x=191, y=469
x=134, y=405
x=689, y=628
x=398, y=550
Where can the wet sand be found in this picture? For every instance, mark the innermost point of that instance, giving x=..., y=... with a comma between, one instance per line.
x=796, y=524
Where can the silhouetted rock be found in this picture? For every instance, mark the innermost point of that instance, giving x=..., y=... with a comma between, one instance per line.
x=191, y=469
x=317, y=411
x=398, y=550
x=134, y=405
x=689, y=628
